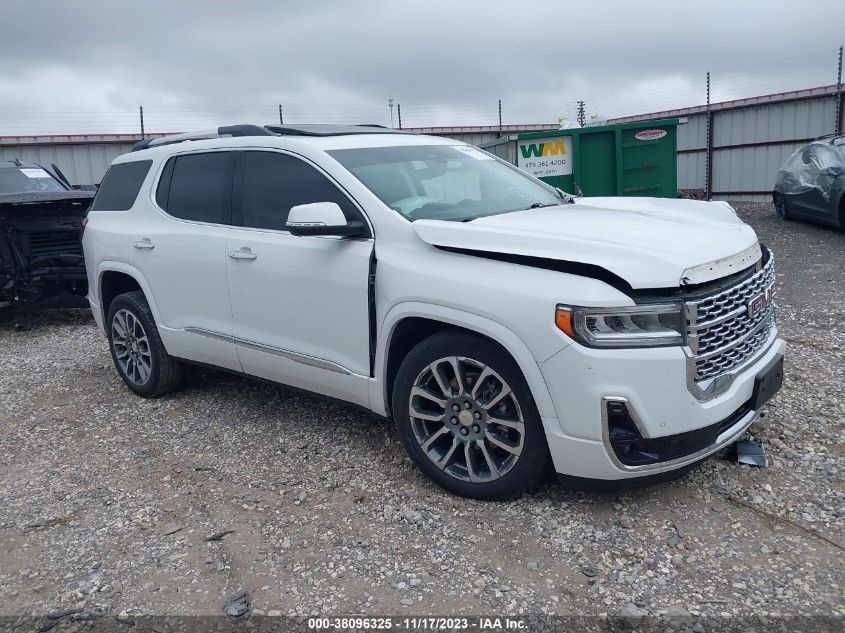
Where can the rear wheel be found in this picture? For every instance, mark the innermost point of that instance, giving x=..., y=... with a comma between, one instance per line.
x=467, y=418
x=137, y=350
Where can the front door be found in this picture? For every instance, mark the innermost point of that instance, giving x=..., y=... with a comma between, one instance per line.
x=300, y=304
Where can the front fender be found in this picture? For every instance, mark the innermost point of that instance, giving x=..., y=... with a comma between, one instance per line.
x=482, y=325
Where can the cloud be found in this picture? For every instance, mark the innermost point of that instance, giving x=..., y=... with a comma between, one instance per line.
x=88, y=65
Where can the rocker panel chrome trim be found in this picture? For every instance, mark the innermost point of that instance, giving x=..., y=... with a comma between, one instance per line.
x=303, y=359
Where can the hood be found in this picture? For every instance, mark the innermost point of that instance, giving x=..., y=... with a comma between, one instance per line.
x=648, y=242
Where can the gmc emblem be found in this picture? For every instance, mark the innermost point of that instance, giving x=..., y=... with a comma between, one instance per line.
x=761, y=301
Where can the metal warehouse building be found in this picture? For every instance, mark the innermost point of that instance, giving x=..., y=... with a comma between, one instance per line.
x=748, y=139
x=84, y=158
x=731, y=149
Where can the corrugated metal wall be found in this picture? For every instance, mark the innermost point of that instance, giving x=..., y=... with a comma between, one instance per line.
x=84, y=159
x=691, y=165
x=748, y=169
x=753, y=169
x=751, y=138
x=808, y=118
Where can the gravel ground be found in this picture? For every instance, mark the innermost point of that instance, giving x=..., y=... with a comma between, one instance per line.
x=109, y=500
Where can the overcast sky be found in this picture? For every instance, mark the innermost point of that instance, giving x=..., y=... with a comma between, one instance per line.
x=86, y=65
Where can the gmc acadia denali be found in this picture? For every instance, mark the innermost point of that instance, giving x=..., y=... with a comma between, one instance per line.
x=504, y=325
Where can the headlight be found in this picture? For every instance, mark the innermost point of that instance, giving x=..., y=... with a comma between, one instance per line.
x=638, y=326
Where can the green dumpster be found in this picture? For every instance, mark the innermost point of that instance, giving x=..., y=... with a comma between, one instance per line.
x=626, y=159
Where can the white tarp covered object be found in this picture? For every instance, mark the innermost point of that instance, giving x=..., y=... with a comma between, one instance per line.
x=814, y=166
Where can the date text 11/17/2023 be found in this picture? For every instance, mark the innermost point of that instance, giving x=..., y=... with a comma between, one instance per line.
x=420, y=623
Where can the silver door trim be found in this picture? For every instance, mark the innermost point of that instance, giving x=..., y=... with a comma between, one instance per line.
x=304, y=359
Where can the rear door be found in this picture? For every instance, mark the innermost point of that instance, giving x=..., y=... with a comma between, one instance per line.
x=300, y=304
x=181, y=250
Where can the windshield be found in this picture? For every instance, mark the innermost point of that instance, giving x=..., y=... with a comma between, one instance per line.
x=444, y=182
x=26, y=180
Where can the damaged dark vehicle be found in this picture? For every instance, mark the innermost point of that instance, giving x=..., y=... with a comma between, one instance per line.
x=41, y=260
x=811, y=183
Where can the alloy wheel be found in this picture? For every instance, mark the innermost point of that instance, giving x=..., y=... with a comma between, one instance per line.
x=131, y=347
x=466, y=419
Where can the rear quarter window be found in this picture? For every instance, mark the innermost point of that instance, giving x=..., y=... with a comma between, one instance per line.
x=194, y=186
x=121, y=185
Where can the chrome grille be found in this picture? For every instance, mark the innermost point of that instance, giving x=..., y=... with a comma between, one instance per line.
x=721, y=333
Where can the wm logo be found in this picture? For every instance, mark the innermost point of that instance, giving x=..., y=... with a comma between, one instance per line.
x=537, y=150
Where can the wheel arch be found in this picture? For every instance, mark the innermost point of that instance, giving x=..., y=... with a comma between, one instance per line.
x=408, y=324
x=115, y=278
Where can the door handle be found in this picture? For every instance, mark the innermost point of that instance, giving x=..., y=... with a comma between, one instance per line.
x=144, y=243
x=244, y=253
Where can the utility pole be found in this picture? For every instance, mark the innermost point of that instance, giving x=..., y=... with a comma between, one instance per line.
x=281, y=117
x=708, y=156
x=390, y=103
x=582, y=114
x=837, y=127
x=141, y=111
x=500, y=118
x=399, y=114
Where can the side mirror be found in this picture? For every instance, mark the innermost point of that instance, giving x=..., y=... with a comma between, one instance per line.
x=322, y=218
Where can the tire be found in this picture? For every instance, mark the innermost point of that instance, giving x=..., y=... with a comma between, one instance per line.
x=842, y=213
x=781, y=209
x=488, y=440
x=149, y=371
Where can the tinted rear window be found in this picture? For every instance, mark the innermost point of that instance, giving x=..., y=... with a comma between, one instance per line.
x=121, y=185
x=193, y=187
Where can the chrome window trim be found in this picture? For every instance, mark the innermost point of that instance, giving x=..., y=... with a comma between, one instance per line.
x=158, y=169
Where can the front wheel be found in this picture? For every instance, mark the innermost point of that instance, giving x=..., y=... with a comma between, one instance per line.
x=466, y=416
x=137, y=350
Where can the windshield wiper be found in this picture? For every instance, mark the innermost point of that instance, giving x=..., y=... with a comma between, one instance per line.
x=540, y=205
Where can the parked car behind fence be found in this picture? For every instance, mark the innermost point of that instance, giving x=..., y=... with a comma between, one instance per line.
x=811, y=183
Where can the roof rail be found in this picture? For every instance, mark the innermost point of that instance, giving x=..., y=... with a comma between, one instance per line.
x=226, y=130
x=328, y=129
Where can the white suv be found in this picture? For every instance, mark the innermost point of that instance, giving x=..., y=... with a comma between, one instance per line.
x=505, y=326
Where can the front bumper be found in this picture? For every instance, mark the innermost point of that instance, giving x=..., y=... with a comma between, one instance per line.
x=653, y=384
